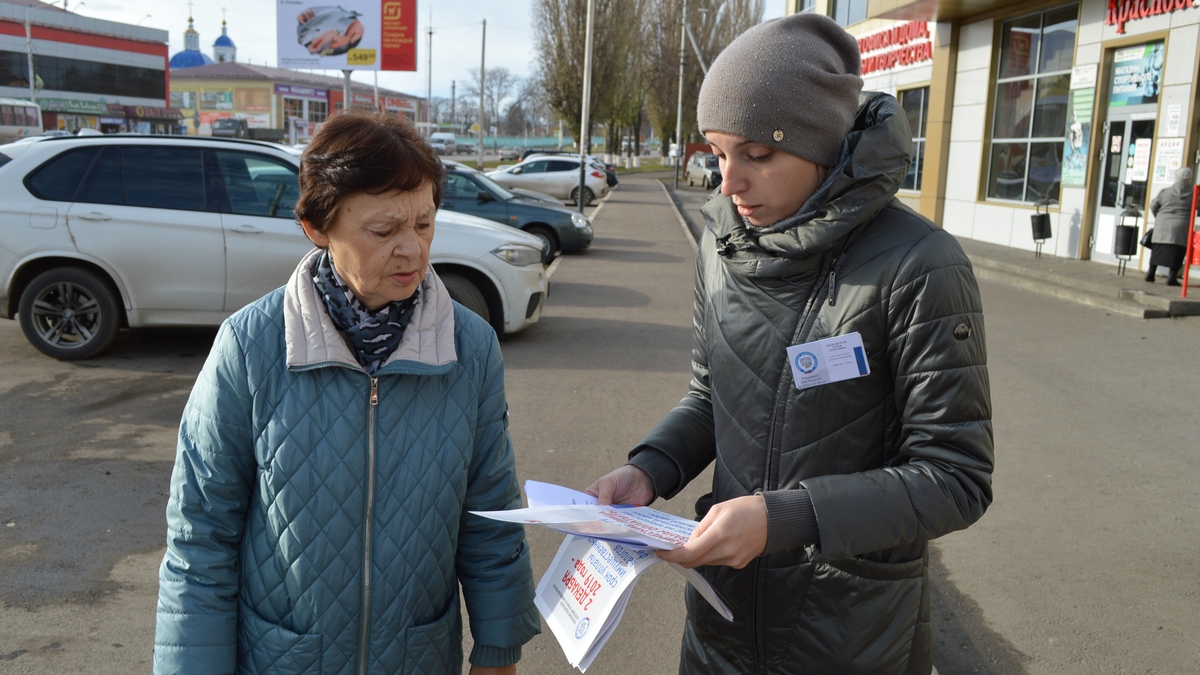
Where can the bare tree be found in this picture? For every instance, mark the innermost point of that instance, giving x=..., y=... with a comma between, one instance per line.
x=714, y=24
x=498, y=86
x=560, y=30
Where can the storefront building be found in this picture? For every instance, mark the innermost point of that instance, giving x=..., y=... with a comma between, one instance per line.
x=1085, y=108
x=267, y=97
x=88, y=73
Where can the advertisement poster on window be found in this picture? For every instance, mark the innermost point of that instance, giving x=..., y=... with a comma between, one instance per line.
x=183, y=99
x=352, y=35
x=216, y=99
x=1079, y=126
x=1168, y=157
x=1136, y=75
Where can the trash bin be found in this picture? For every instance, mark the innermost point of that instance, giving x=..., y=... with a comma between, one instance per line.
x=1040, y=220
x=1125, y=237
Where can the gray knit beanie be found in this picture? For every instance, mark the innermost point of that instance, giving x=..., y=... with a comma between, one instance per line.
x=791, y=83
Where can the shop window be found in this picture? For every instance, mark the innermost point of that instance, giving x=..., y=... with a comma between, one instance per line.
x=848, y=12
x=1029, y=115
x=292, y=107
x=318, y=111
x=916, y=107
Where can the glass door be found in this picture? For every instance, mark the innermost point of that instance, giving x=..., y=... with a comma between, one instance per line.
x=1124, y=179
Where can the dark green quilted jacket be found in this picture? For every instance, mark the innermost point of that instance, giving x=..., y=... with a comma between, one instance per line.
x=890, y=460
x=318, y=515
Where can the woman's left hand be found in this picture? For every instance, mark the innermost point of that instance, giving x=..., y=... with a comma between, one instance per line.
x=732, y=534
x=502, y=670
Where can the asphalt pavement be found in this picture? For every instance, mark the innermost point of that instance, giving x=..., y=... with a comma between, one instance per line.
x=1087, y=562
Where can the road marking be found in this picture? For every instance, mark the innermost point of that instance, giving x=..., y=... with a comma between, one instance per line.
x=553, y=266
x=591, y=219
x=682, y=223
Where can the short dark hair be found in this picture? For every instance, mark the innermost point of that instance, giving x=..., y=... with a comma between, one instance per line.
x=363, y=151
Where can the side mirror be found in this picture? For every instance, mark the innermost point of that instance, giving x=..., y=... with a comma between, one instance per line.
x=483, y=196
x=516, y=169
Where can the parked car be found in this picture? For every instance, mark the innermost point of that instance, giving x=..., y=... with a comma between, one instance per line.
x=705, y=169
x=556, y=176
x=105, y=232
x=446, y=141
x=468, y=191
x=510, y=152
x=610, y=171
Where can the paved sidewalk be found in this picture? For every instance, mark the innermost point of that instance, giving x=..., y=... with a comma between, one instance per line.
x=1083, y=281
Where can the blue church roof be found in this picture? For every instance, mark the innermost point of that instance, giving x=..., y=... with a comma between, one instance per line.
x=190, y=58
x=223, y=41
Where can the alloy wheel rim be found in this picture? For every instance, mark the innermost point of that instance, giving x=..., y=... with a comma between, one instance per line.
x=66, y=315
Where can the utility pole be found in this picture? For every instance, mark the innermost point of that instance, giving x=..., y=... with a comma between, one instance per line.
x=482, y=70
x=679, y=109
x=346, y=95
x=585, y=126
x=453, y=101
x=429, y=75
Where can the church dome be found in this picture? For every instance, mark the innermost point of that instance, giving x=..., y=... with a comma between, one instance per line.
x=189, y=59
x=223, y=41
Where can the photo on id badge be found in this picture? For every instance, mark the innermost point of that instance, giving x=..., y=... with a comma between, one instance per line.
x=833, y=359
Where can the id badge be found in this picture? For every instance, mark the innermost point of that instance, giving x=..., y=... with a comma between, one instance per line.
x=830, y=360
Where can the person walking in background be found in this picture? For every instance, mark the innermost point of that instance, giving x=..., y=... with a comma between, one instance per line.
x=824, y=498
x=1172, y=209
x=339, y=433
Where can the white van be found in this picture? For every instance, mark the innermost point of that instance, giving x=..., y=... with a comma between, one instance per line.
x=443, y=141
x=19, y=119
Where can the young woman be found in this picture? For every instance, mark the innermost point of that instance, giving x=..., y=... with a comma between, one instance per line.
x=824, y=496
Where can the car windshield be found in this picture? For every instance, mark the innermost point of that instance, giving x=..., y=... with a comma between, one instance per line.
x=224, y=124
x=492, y=185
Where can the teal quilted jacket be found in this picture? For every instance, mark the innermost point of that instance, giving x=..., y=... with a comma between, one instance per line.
x=318, y=516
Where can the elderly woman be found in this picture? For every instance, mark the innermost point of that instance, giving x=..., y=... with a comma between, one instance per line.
x=1172, y=209
x=826, y=490
x=333, y=444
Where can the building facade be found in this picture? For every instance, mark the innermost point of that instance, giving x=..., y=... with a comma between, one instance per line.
x=88, y=73
x=1084, y=109
x=274, y=98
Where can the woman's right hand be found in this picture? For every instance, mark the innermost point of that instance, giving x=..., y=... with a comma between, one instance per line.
x=625, y=485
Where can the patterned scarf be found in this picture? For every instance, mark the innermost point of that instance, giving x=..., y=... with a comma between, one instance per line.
x=374, y=335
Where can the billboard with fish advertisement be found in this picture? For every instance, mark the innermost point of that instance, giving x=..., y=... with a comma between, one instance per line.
x=349, y=35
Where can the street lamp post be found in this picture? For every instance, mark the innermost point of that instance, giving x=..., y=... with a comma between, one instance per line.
x=585, y=123
x=679, y=109
x=29, y=45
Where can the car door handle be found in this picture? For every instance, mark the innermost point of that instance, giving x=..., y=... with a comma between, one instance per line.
x=245, y=229
x=94, y=215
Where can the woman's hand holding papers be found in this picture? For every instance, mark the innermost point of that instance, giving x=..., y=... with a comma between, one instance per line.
x=732, y=534
x=625, y=485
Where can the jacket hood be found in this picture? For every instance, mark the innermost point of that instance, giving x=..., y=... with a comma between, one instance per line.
x=875, y=159
x=313, y=340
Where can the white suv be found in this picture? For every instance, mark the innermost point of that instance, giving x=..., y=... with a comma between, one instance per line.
x=102, y=232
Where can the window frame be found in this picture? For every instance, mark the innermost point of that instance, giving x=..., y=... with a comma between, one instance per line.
x=1034, y=78
x=919, y=135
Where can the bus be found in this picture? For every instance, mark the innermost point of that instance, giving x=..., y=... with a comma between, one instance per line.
x=19, y=118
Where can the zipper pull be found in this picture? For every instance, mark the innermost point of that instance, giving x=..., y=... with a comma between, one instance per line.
x=832, y=281
x=374, y=391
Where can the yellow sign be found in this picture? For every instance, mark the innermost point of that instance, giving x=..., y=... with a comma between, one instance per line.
x=474, y=128
x=360, y=57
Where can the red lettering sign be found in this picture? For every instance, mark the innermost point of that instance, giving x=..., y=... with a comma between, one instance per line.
x=398, y=38
x=912, y=38
x=1122, y=11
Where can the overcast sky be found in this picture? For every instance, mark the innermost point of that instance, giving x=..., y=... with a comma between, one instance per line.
x=456, y=37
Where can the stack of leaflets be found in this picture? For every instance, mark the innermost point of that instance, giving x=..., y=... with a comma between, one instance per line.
x=584, y=593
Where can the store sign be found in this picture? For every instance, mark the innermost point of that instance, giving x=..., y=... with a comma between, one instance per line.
x=353, y=35
x=1121, y=11
x=150, y=112
x=67, y=105
x=1136, y=75
x=908, y=44
x=296, y=91
x=397, y=103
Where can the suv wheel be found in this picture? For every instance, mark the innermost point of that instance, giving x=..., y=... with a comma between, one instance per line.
x=466, y=294
x=69, y=313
